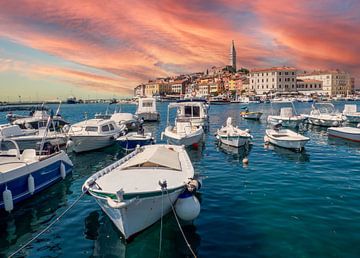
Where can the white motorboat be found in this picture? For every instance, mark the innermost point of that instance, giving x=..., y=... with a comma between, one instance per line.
x=23, y=175
x=286, y=118
x=347, y=133
x=131, y=121
x=286, y=138
x=280, y=100
x=39, y=119
x=324, y=114
x=139, y=189
x=146, y=110
x=93, y=134
x=351, y=114
x=28, y=138
x=193, y=110
x=233, y=136
x=183, y=132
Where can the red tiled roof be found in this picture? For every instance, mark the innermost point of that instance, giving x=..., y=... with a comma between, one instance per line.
x=272, y=69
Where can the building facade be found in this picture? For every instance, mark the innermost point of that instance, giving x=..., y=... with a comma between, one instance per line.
x=275, y=79
x=334, y=82
x=309, y=86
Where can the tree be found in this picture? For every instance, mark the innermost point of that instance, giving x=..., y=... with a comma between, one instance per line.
x=243, y=70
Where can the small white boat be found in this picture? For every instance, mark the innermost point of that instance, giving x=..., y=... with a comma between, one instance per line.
x=131, y=121
x=23, y=175
x=347, y=133
x=193, y=110
x=280, y=100
x=146, y=110
x=233, y=136
x=324, y=114
x=286, y=118
x=93, y=134
x=286, y=138
x=28, y=138
x=351, y=114
x=184, y=132
x=141, y=187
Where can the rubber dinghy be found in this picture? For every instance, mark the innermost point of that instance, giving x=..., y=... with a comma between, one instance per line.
x=233, y=136
x=141, y=187
x=286, y=138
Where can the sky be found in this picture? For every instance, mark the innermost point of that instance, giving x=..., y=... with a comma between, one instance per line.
x=93, y=49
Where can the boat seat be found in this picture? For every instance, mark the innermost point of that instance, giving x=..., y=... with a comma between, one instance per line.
x=28, y=155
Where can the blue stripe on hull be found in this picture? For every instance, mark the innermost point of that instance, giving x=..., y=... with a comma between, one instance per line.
x=43, y=178
x=131, y=144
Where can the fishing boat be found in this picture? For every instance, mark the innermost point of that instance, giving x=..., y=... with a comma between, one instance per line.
x=133, y=139
x=251, y=115
x=28, y=138
x=139, y=189
x=147, y=110
x=347, y=133
x=184, y=132
x=285, y=138
x=23, y=175
x=286, y=118
x=193, y=110
x=93, y=134
x=351, y=114
x=324, y=114
x=233, y=136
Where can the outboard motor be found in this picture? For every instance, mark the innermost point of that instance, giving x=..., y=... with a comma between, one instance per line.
x=48, y=148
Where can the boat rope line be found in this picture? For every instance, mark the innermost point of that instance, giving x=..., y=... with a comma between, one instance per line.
x=178, y=223
x=49, y=226
x=161, y=221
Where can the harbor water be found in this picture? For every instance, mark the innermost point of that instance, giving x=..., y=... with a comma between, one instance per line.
x=282, y=204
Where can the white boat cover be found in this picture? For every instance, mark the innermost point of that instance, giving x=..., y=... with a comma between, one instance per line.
x=286, y=112
x=155, y=157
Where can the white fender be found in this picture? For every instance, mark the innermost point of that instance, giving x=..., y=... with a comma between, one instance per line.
x=187, y=208
x=8, y=200
x=31, y=184
x=62, y=170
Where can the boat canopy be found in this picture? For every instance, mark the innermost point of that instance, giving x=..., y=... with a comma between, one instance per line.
x=155, y=157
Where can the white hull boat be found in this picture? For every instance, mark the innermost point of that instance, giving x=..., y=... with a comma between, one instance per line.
x=347, y=133
x=184, y=135
x=323, y=114
x=141, y=187
x=146, y=110
x=351, y=114
x=286, y=138
x=233, y=136
x=192, y=110
x=93, y=134
x=129, y=120
x=286, y=118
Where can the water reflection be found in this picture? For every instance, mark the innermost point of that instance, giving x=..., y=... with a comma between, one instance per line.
x=289, y=154
x=108, y=241
x=236, y=153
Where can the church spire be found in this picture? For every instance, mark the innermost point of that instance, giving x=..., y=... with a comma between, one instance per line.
x=233, y=55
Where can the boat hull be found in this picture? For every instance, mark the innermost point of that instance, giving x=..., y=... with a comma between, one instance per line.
x=251, y=115
x=345, y=134
x=285, y=122
x=234, y=141
x=294, y=144
x=45, y=173
x=186, y=140
x=324, y=122
x=89, y=143
x=129, y=144
x=352, y=118
x=131, y=220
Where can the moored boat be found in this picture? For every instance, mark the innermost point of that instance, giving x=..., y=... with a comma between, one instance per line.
x=233, y=136
x=286, y=118
x=139, y=189
x=131, y=140
x=324, y=114
x=285, y=138
x=351, y=114
x=147, y=110
x=23, y=175
x=347, y=133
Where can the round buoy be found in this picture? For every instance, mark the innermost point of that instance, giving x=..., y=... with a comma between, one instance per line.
x=245, y=161
x=187, y=207
x=31, y=184
x=8, y=200
x=62, y=170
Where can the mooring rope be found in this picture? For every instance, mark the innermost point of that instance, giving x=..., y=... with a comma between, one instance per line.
x=49, y=226
x=178, y=223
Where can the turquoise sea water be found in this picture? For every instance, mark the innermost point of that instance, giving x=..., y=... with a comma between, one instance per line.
x=283, y=204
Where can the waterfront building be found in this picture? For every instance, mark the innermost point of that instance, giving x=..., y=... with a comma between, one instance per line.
x=274, y=79
x=179, y=86
x=157, y=88
x=233, y=56
x=352, y=85
x=334, y=82
x=139, y=90
x=310, y=86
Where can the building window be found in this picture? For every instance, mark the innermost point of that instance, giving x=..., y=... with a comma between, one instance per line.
x=286, y=73
x=279, y=73
x=293, y=73
x=273, y=79
x=279, y=79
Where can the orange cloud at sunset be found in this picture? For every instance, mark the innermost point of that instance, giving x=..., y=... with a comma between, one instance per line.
x=124, y=43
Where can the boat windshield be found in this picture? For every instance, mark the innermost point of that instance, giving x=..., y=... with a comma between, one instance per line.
x=325, y=108
x=192, y=111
